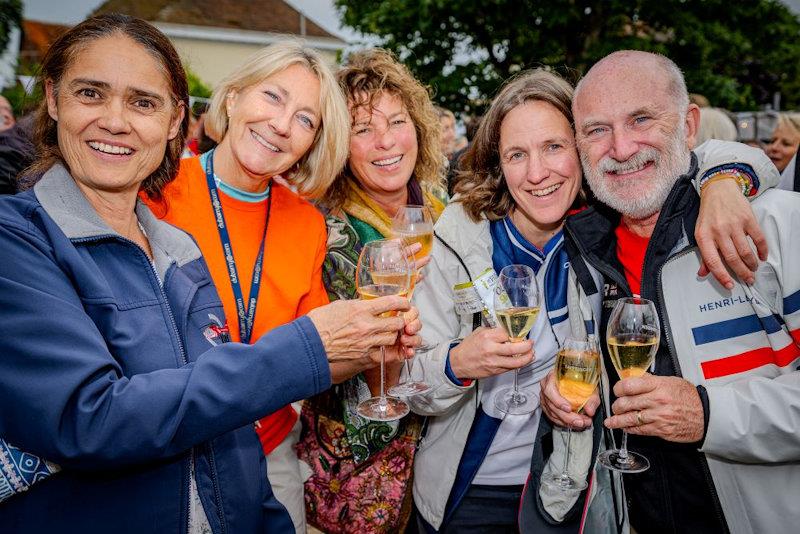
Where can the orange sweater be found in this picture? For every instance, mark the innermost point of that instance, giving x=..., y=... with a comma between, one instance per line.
x=293, y=255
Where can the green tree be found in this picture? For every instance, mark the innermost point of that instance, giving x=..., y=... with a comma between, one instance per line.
x=736, y=53
x=196, y=85
x=10, y=18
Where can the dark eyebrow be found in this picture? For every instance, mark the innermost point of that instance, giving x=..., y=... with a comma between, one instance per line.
x=87, y=81
x=105, y=85
x=147, y=94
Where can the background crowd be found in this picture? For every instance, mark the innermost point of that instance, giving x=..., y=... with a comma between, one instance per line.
x=186, y=349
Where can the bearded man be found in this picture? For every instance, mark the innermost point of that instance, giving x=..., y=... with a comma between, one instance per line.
x=719, y=417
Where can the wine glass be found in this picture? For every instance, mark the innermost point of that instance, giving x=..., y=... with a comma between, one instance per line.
x=516, y=306
x=632, y=337
x=383, y=270
x=413, y=224
x=577, y=373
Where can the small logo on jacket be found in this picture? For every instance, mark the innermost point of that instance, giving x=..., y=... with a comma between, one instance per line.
x=217, y=332
x=611, y=294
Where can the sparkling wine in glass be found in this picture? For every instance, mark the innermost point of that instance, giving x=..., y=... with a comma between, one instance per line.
x=577, y=372
x=383, y=270
x=516, y=306
x=413, y=224
x=632, y=337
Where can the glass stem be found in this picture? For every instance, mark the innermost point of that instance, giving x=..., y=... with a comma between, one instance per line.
x=564, y=472
x=516, y=382
x=408, y=371
x=383, y=377
x=623, y=451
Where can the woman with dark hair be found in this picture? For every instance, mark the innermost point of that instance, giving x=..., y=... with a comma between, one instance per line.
x=116, y=363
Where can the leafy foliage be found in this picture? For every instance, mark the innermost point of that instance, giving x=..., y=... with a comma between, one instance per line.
x=10, y=18
x=196, y=85
x=735, y=53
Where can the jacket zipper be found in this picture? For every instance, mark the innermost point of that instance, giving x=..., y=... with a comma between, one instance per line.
x=610, y=272
x=674, y=357
x=601, y=266
x=215, y=483
x=182, y=352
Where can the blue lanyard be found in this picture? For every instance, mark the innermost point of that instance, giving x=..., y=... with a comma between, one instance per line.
x=245, y=313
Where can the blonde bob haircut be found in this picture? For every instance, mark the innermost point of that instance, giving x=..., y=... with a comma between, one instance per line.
x=317, y=168
x=481, y=186
x=363, y=78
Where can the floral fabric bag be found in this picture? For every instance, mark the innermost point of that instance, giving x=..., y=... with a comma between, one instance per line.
x=362, y=470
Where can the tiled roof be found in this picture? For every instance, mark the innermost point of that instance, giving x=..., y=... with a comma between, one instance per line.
x=38, y=36
x=255, y=15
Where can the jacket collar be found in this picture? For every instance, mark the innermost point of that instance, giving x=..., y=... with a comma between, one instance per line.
x=64, y=202
x=592, y=230
x=459, y=231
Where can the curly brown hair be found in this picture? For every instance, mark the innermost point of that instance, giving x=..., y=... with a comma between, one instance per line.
x=480, y=184
x=57, y=61
x=363, y=78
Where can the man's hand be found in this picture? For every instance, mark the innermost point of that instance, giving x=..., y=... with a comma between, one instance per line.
x=667, y=407
x=485, y=352
x=558, y=409
x=350, y=328
x=724, y=222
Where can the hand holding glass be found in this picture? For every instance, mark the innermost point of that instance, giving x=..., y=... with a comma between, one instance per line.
x=516, y=306
x=632, y=337
x=577, y=371
x=383, y=270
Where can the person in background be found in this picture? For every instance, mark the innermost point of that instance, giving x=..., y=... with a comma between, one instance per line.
x=6, y=114
x=782, y=150
x=394, y=158
x=281, y=113
x=715, y=124
x=447, y=122
x=17, y=152
x=117, y=364
x=717, y=416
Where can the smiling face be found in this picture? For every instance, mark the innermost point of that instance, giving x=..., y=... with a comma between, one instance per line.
x=272, y=124
x=115, y=114
x=633, y=139
x=541, y=168
x=383, y=146
x=783, y=146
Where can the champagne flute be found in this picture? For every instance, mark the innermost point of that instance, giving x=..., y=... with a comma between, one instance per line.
x=383, y=270
x=413, y=224
x=577, y=373
x=632, y=337
x=516, y=305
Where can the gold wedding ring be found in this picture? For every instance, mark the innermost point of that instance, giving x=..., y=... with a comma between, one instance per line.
x=639, y=418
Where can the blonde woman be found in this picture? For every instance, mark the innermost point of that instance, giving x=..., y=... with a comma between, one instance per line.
x=782, y=150
x=279, y=114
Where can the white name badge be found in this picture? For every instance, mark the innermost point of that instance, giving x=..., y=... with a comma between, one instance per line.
x=466, y=299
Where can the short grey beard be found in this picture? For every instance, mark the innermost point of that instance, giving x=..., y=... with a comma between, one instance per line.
x=669, y=166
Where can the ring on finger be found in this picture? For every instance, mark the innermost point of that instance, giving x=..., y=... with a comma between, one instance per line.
x=639, y=419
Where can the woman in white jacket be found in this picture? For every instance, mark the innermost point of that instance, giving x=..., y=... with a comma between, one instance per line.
x=521, y=178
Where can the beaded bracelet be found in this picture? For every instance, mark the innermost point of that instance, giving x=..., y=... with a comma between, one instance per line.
x=743, y=174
